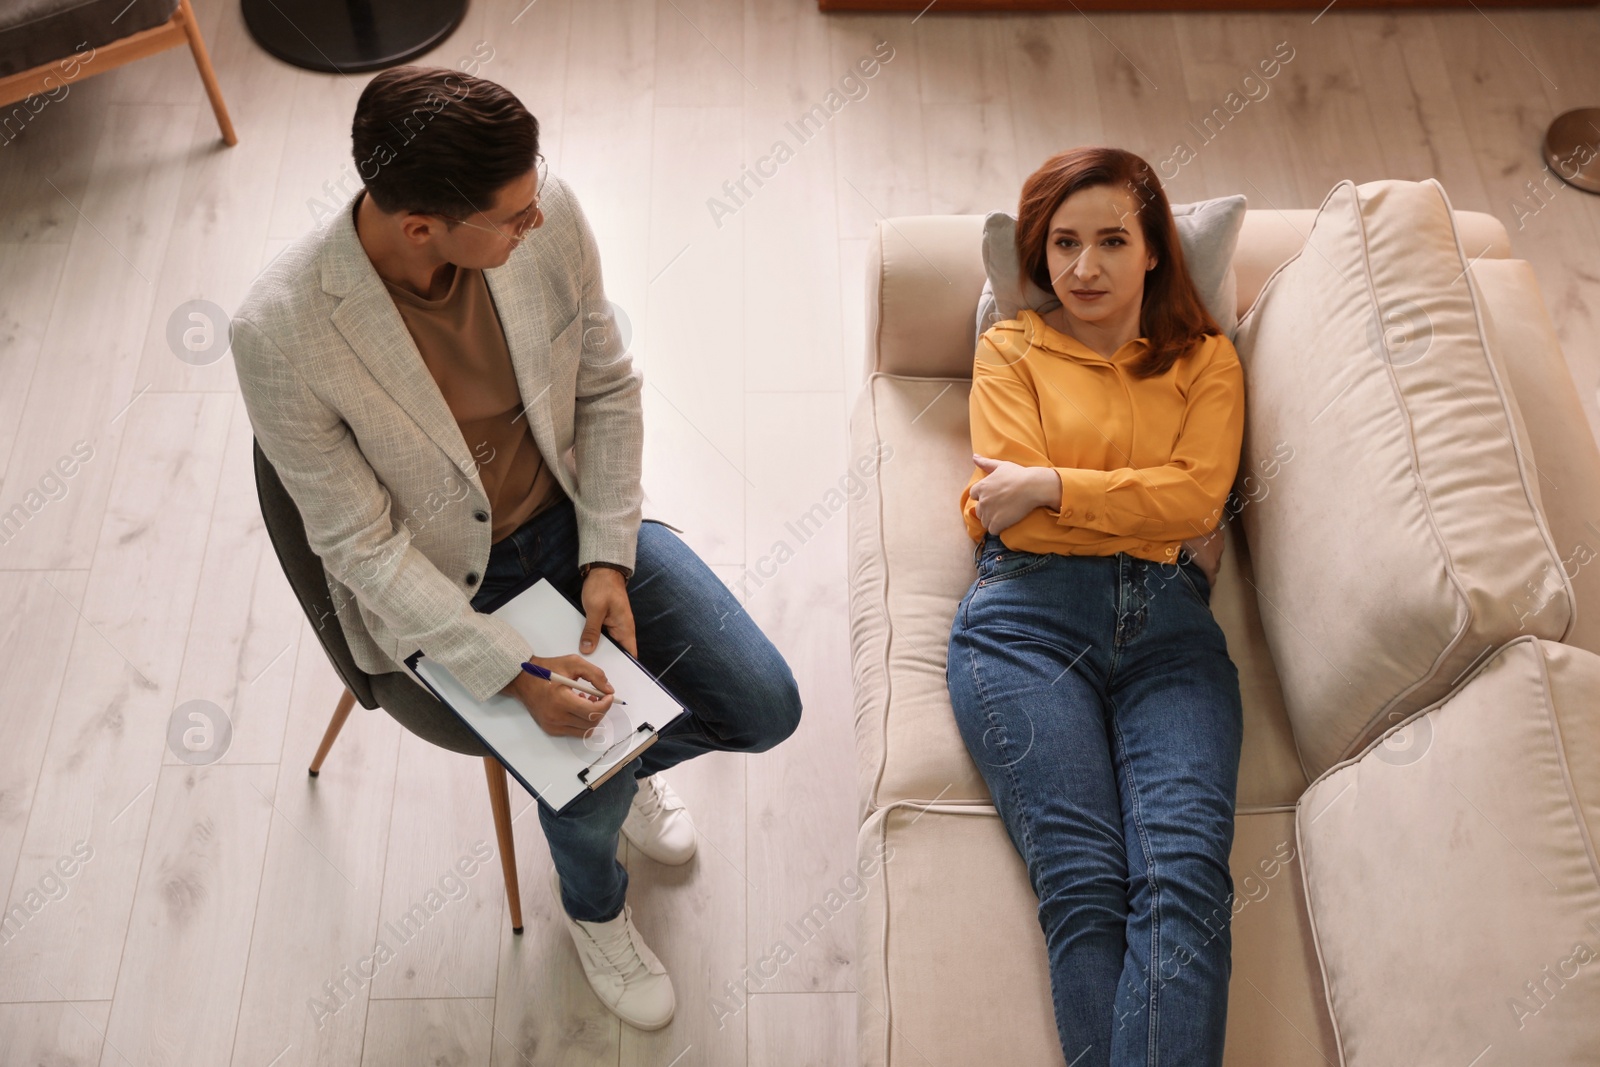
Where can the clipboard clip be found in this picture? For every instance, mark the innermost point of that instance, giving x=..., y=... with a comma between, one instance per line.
x=583, y=775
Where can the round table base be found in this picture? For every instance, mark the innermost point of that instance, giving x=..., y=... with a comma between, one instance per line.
x=1572, y=148
x=350, y=36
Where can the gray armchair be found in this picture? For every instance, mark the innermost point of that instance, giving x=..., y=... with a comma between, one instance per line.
x=46, y=45
x=408, y=703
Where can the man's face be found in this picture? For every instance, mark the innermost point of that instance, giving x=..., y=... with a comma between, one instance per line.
x=487, y=238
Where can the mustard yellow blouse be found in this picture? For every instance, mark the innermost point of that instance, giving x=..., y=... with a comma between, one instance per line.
x=1145, y=463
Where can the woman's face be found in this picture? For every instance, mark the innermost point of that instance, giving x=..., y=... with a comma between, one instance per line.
x=1097, y=256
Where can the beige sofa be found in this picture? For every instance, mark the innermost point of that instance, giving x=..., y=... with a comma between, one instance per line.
x=951, y=960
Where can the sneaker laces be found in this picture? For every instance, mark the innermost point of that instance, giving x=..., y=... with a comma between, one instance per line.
x=617, y=945
x=652, y=799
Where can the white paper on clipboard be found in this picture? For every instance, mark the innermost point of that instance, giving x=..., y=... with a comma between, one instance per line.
x=557, y=769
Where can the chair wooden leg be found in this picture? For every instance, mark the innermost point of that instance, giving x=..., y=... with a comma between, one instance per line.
x=500, y=801
x=340, y=714
x=202, y=60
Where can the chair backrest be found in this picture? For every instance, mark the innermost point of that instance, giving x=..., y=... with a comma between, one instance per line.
x=309, y=581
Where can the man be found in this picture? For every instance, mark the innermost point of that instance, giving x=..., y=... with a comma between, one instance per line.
x=438, y=379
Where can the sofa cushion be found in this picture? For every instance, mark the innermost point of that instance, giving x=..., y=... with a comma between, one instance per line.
x=1394, y=551
x=1269, y=238
x=951, y=921
x=1562, y=443
x=911, y=563
x=36, y=32
x=1208, y=233
x=1451, y=872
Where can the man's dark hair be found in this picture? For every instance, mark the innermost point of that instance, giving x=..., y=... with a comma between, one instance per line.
x=439, y=142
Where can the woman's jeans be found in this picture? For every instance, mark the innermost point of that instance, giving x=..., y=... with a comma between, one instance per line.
x=1097, y=698
x=695, y=639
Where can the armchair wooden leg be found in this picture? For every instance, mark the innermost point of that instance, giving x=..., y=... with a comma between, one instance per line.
x=340, y=714
x=500, y=801
x=202, y=60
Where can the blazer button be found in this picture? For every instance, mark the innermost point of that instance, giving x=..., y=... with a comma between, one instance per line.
x=472, y=577
x=481, y=516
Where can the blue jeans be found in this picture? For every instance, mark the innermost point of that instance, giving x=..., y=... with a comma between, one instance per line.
x=695, y=639
x=1097, y=699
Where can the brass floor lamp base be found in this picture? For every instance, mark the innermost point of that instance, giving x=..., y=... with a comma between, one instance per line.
x=1572, y=148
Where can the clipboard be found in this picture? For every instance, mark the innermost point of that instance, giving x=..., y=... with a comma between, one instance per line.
x=557, y=770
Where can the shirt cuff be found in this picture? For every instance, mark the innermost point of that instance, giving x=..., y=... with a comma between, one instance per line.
x=1083, y=497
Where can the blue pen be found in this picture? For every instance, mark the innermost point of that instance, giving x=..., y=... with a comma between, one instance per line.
x=560, y=679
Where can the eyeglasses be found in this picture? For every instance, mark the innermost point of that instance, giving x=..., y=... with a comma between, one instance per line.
x=523, y=219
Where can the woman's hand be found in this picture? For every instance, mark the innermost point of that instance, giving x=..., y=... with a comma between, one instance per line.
x=1008, y=491
x=1207, y=551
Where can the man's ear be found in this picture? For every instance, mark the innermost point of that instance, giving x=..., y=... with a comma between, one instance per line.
x=418, y=228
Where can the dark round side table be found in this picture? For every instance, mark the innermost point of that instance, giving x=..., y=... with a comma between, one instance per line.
x=350, y=36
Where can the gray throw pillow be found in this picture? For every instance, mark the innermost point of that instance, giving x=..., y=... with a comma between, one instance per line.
x=1208, y=230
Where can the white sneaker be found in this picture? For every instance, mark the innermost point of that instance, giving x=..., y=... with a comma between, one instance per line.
x=622, y=971
x=659, y=824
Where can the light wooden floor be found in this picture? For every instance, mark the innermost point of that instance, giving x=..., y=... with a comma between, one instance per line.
x=207, y=907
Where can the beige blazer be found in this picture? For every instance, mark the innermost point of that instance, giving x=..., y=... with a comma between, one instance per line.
x=344, y=407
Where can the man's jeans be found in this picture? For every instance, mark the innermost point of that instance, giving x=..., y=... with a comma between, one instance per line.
x=696, y=640
x=1097, y=699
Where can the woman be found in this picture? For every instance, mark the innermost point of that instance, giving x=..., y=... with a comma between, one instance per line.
x=1089, y=679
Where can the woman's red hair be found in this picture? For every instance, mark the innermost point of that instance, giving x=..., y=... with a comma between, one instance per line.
x=1172, y=316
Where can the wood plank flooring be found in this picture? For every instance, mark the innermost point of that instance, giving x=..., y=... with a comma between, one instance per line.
x=225, y=913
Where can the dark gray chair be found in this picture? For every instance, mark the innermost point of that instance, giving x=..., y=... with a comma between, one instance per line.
x=412, y=706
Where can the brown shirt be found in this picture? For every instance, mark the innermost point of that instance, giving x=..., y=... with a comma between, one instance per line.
x=464, y=346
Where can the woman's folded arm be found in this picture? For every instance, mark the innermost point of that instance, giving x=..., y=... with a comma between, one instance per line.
x=1175, y=501
x=1179, y=499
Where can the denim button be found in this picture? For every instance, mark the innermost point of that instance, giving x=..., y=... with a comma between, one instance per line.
x=472, y=577
x=481, y=516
